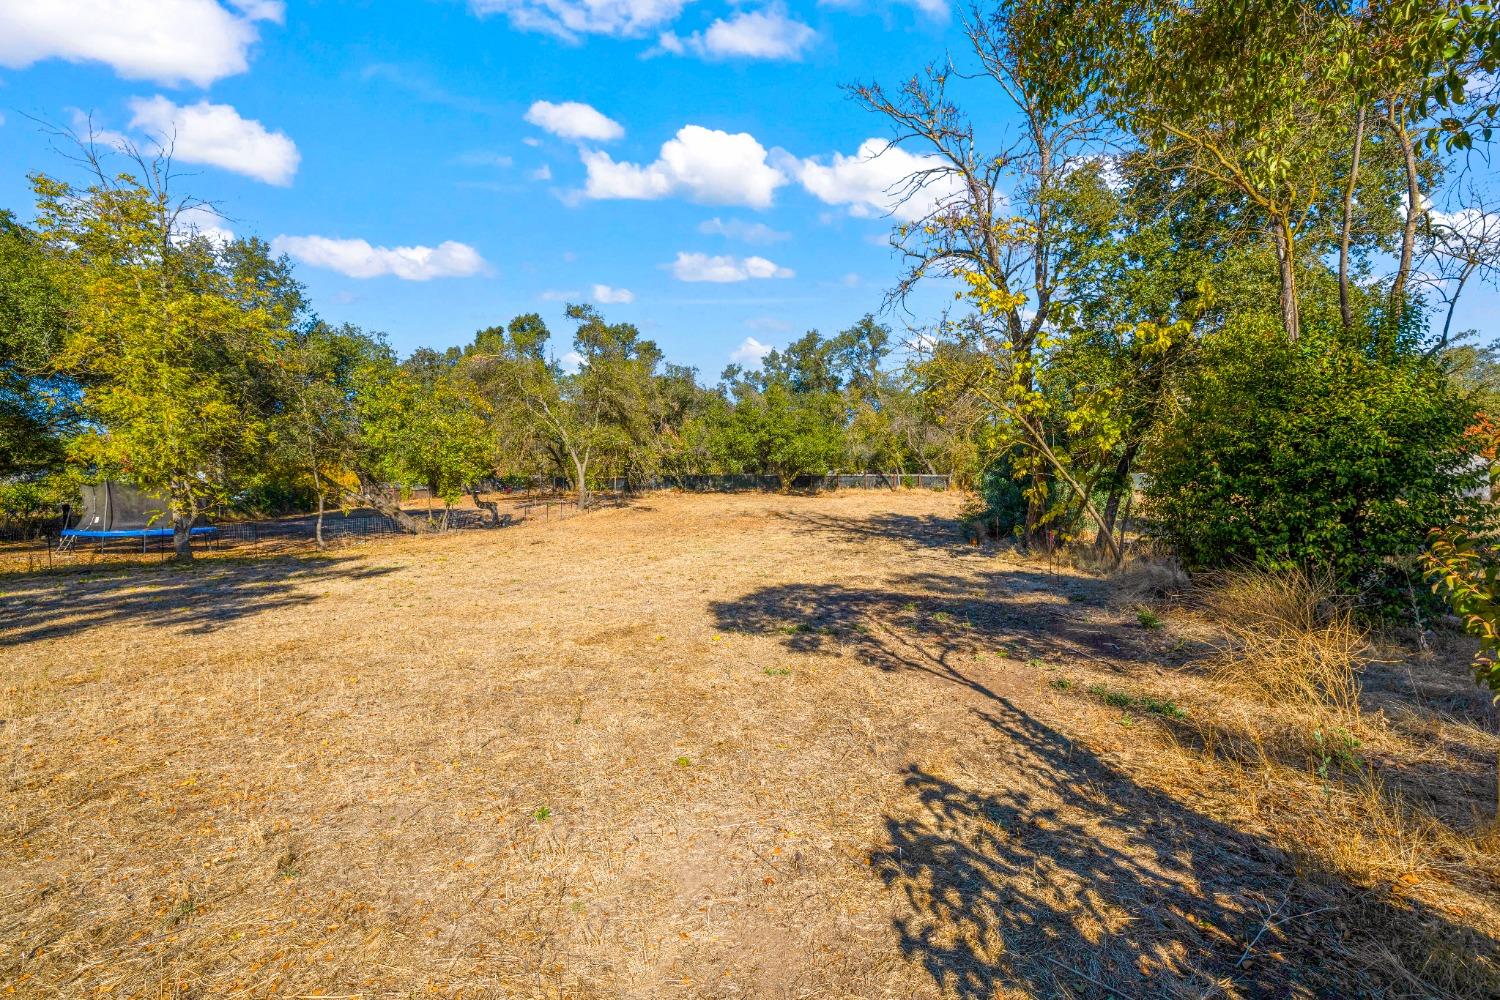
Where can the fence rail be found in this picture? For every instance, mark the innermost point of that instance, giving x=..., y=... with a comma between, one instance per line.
x=537, y=500
x=734, y=482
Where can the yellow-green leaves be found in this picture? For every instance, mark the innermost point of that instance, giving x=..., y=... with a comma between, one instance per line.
x=171, y=338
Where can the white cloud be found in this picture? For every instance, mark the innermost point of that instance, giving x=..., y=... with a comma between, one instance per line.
x=703, y=164
x=215, y=134
x=751, y=352
x=542, y=173
x=702, y=267
x=604, y=294
x=1472, y=225
x=201, y=220
x=358, y=259
x=169, y=41
x=558, y=295
x=572, y=361
x=873, y=181
x=738, y=229
x=574, y=120
x=762, y=34
x=568, y=19
x=483, y=158
x=936, y=9
x=923, y=342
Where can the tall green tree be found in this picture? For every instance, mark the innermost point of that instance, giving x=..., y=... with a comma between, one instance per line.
x=423, y=422
x=598, y=416
x=317, y=430
x=170, y=335
x=788, y=419
x=38, y=405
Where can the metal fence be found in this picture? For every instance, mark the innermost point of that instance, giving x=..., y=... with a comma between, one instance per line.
x=539, y=500
x=731, y=483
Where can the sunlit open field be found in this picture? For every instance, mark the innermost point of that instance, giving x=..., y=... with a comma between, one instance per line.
x=701, y=746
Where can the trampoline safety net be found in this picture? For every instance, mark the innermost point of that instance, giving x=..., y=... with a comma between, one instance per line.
x=112, y=506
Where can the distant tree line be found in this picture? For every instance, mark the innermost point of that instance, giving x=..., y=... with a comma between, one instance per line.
x=1204, y=284
x=138, y=348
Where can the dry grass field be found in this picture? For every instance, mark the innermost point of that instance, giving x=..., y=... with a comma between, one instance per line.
x=716, y=746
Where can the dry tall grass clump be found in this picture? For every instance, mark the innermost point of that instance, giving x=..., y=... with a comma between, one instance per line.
x=1144, y=578
x=1291, y=639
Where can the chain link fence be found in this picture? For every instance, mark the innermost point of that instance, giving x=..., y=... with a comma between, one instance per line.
x=733, y=483
x=503, y=503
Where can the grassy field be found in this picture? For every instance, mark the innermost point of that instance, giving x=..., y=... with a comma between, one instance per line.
x=716, y=746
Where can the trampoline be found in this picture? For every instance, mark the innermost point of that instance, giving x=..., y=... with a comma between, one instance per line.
x=113, y=511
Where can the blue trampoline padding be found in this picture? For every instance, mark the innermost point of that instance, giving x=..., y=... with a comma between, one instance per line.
x=131, y=533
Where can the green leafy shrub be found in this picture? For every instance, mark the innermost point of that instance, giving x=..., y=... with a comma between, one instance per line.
x=28, y=503
x=1310, y=454
x=1003, y=512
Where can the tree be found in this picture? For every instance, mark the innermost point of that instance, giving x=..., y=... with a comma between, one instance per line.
x=38, y=406
x=423, y=422
x=600, y=414
x=1461, y=246
x=788, y=418
x=317, y=430
x=170, y=336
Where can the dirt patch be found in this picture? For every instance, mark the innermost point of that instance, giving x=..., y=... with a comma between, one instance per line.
x=700, y=746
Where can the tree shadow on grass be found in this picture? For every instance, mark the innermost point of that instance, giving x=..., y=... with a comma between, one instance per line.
x=197, y=599
x=922, y=531
x=919, y=625
x=1080, y=881
x=1074, y=879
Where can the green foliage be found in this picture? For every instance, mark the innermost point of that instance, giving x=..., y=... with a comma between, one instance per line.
x=1463, y=565
x=790, y=418
x=317, y=432
x=423, y=424
x=31, y=497
x=1308, y=454
x=778, y=431
x=1138, y=702
x=1004, y=511
x=37, y=405
x=171, y=338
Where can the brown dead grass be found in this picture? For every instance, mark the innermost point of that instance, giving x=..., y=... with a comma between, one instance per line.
x=704, y=746
x=1291, y=638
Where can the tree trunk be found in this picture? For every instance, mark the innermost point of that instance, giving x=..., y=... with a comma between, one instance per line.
x=489, y=506
x=370, y=495
x=318, y=525
x=1287, y=264
x=182, y=538
x=1125, y=520
x=1345, y=310
x=581, y=469
x=1413, y=212
x=1036, y=507
x=1106, y=531
x=1453, y=304
x=1119, y=487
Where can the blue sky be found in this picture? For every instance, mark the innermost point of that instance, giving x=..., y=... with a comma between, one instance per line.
x=405, y=125
x=435, y=166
